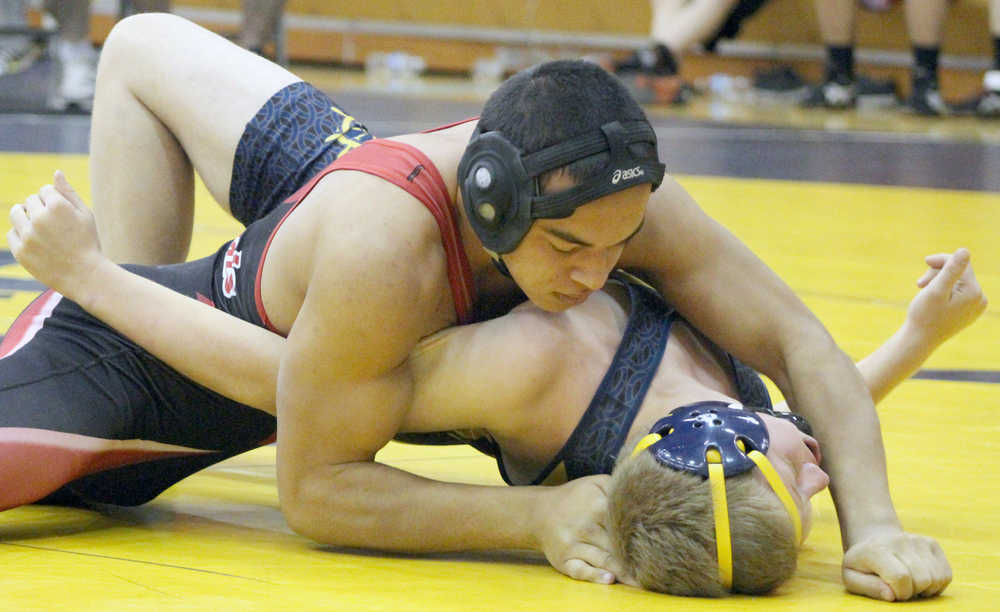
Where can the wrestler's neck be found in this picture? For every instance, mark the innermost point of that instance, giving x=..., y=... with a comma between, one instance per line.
x=693, y=370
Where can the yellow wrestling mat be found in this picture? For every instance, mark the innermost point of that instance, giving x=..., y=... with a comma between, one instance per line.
x=218, y=542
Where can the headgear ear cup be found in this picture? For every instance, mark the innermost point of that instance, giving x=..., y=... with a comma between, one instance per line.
x=499, y=184
x=496, y=191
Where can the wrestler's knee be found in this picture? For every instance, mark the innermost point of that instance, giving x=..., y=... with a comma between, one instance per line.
x=129, y=41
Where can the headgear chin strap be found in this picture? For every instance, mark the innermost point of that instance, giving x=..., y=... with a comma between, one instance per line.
x=500, y=187
x=711, y=439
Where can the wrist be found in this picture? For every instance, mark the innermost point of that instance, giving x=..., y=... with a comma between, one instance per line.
x=539, y=516
x=885, y=523
x=918, y=339
x=88, y=285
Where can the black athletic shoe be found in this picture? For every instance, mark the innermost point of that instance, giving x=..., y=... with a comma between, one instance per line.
x=781, y=80
x=836, y=93
x=657, y=60
x=925, y=99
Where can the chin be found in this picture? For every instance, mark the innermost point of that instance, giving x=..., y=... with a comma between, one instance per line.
x=551, y=305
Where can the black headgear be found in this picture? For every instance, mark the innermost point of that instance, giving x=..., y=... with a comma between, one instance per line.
x=500, y=185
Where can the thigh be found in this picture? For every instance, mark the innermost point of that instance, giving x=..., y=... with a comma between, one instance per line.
x=203, y=88
x=87, y=413
x=297, y=133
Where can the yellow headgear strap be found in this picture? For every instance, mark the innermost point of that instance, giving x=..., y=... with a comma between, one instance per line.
x=646, y=442
x=779, y=489
x=723, y=535
x=717, y=482
x=723, y=538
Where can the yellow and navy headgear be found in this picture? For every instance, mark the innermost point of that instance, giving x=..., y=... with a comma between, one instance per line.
x=717, y=440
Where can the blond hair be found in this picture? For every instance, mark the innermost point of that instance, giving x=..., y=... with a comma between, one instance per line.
x=662, y=529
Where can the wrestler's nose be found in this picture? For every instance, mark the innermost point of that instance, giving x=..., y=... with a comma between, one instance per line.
x=591, y=268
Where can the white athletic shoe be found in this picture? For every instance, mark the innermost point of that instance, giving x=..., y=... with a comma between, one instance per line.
x=77, y=69
x=16, y=53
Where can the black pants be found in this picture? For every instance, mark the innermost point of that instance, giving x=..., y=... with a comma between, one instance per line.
x=75, y=375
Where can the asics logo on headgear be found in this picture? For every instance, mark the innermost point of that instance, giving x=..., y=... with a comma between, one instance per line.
x=626, y=174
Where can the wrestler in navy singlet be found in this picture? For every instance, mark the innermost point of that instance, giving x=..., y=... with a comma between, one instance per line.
x=593, y=445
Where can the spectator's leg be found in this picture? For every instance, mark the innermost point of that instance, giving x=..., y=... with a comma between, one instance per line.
x=76, y=57
x=836, y=27
x=925, y=26
x=836, y=22
x=13, y=47
x=151, y=6
x=681, y=28
x=260, y=23
x=987, y=103
x=995, y=31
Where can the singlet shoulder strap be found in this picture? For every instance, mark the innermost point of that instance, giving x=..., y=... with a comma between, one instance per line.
x=450, y=125
x=410, y=169
x=593, y=446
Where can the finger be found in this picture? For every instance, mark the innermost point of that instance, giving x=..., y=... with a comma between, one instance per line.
x=937, y=260
x=968, y=283
x=868, y=585
x=33, y=206
x=598, y=554
x=934, y=264
x=941, y=570
x=19, y=218
x=13, y=242
x=50, y=196
x=629, y=580
x=887, y=567
x=951, y=272
x=918, y=560
x=897, y=575
x=580, y=570
x=61, y=183
x=927, y=277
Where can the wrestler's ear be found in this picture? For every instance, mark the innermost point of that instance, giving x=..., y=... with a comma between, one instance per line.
x=61, y=183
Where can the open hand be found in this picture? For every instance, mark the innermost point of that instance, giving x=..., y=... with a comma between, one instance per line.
x=54, y=237
x=573, y=531
x=896, y=566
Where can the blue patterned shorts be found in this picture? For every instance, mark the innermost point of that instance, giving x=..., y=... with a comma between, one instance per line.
x=297, y=133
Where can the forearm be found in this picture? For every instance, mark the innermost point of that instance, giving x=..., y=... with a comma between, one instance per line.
x=894, y=361
x=825, y=386
x=370, y=505
x=195, y=339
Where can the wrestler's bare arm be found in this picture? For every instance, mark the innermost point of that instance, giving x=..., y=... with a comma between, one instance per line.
x=949, y=301
x=736, y=300
x=344, y=388
x=54, y=237
x=332, y=490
